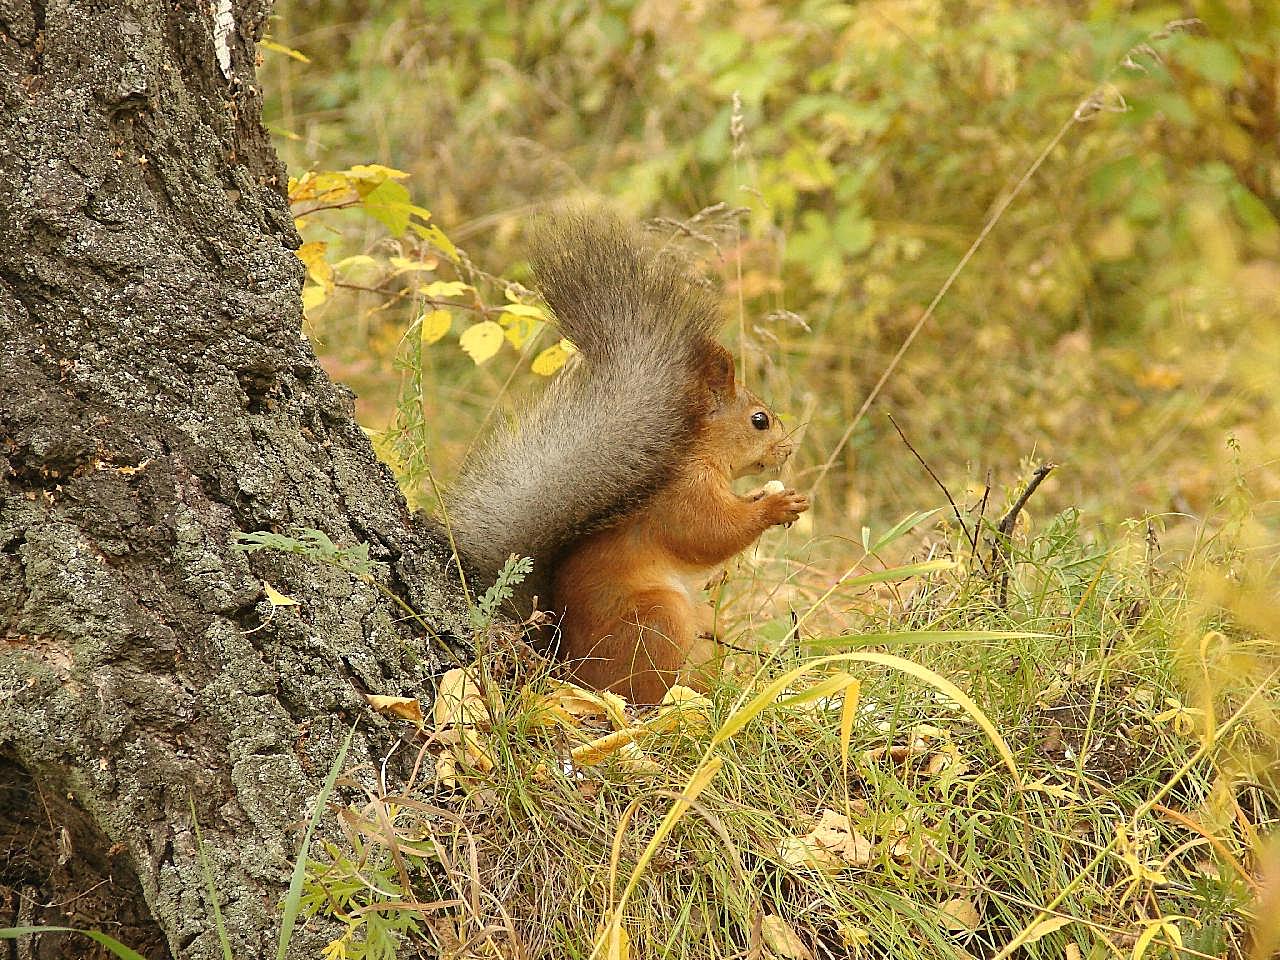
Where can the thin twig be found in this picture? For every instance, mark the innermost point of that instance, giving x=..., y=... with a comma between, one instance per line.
x=1096, y=102
x=972, y=538
x=1005, y=530
x=982, y=515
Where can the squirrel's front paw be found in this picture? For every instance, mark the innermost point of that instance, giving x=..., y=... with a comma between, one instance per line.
x=784, y=507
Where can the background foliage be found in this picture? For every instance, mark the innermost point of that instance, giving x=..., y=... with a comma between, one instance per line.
x=1120, y=319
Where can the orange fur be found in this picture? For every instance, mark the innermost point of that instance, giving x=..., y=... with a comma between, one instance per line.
x=631, y=616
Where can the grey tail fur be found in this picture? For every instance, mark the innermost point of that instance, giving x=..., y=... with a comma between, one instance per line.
x=606, y=434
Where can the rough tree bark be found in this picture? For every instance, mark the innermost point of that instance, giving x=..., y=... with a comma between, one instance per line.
x=156, y=397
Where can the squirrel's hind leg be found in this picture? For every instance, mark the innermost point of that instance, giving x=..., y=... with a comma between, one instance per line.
x=641, y=654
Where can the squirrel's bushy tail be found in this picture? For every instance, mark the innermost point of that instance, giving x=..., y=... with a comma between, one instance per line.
x=605, y=435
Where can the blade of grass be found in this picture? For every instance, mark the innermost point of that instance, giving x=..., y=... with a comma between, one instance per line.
x=218, y=923
x=115, y=946
x=913, y=637
x=293, y=899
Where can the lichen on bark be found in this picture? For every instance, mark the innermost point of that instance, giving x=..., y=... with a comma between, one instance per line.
x=156, y=397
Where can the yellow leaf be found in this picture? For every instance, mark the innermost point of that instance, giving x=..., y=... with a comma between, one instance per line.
x=681, y=707
x=318, y=268
x=600, y=749
x=361, y=266
x=481, y=340
x=375, y=172
x=1161, y=925
x=447, y=288
x=405, y=708
x=276, y=598
x=435, y=324
x=782, y=939
x=804, y=852
x=959, y=913
x=550, y=360
x=519, y=329
x=312, y=297
x=267, y=43
x=459, y=700
x=832, y=843
x=524, y=310
x=1042, y=927
x=465, y=749
x=572, y=702
x=616, y=943
x=1045, y=927
x=405, y=265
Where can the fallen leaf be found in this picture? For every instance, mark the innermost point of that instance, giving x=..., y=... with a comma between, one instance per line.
x=830, y=845
x=568, y=704
x=459, y=700
x=276, y=598
x=782, y=939
x=681, y=707
x=959, y=913
x=803, y=852
x=600, y=749
x=465, y=752
x=404, y=708
x=836, y=834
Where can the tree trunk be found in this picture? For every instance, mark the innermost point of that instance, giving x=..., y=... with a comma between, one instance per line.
x=156, y=397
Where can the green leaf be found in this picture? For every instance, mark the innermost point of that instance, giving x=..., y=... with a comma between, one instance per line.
x=388, y=203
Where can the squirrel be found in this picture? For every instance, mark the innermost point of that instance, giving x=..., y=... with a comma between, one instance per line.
x=618, y=481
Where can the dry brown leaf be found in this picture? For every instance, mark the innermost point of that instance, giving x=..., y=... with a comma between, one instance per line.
x=681, y=707
x=959, y=913
x=839, y=836
x=1071, y=951
x=600, y=749
x=404, y=708
x=459, y=701
x=782, y=940
x=803, y=852
x=466, y=752
x=568, y=704
x=830, y=845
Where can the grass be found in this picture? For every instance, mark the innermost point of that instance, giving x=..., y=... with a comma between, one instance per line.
x=1138, y=704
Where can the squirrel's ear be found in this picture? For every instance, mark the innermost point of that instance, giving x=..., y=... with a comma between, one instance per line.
x=718, y=372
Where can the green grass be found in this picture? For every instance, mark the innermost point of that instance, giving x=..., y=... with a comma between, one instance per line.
x=1126, y=812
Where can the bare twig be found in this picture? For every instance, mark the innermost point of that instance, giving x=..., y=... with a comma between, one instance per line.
x=1000, y=554
x=971, y=537
x=1103, y=98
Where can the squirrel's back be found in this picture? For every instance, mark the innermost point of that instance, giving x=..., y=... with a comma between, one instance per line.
x=606, y=434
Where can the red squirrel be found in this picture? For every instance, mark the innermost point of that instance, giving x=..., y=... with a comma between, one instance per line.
x=618, y=481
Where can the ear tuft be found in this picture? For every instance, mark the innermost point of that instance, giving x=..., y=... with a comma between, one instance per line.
x=717, y=372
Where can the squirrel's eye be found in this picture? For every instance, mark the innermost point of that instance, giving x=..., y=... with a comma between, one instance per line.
x=760, y=420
